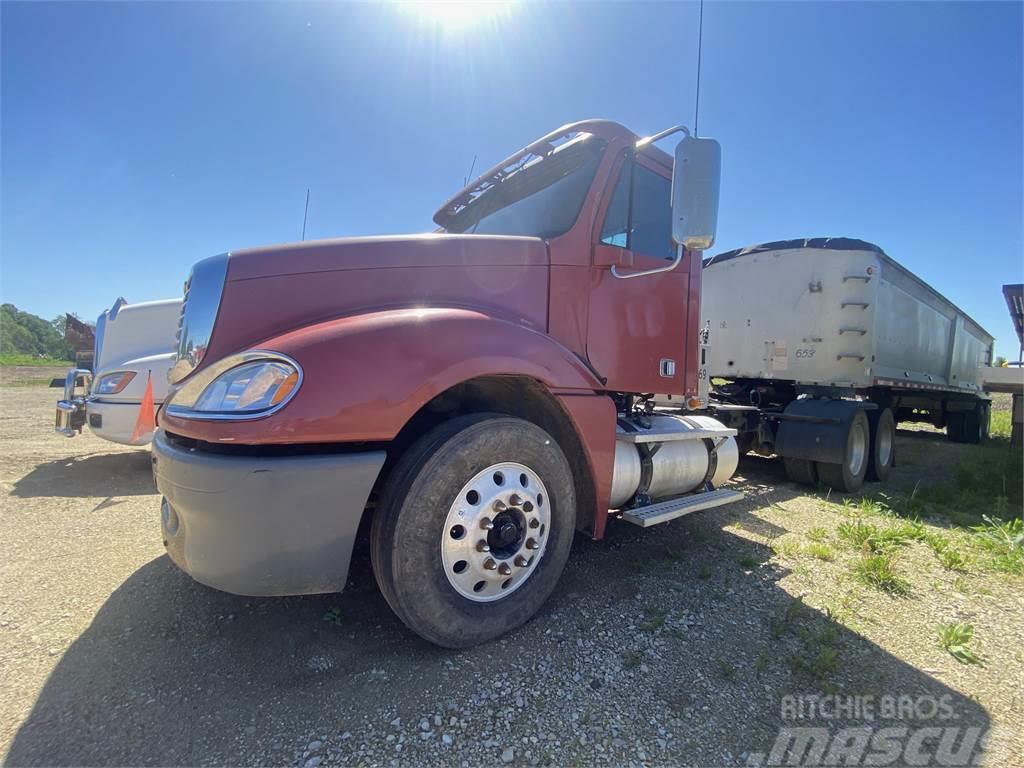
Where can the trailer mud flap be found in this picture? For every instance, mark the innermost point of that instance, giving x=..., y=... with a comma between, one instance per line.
x=816, y=430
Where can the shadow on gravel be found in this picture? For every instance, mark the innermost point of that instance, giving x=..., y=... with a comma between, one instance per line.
x=173, y=673
x=119, y=474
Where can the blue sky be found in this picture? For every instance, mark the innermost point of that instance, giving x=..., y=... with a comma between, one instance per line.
x=138, y=138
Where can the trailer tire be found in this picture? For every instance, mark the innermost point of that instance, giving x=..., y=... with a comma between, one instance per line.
x=955, y=427
x=432, y=521
x=801, y=471
x=848, y=477
x=969, y=427
x=976, y=424
x=883, y=445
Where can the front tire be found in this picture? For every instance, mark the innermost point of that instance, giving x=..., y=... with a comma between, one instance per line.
x=473, y=529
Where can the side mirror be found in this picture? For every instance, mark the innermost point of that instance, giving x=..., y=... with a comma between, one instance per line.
x=696, y=178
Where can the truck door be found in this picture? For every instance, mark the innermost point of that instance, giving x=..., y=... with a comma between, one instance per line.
x=637, y=327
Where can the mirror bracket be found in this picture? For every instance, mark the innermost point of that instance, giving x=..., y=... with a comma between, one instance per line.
x=662, y=134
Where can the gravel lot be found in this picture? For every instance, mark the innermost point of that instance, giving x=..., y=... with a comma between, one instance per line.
x=668, y=646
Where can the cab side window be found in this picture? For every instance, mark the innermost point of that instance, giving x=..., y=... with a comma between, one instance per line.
x=639, y=216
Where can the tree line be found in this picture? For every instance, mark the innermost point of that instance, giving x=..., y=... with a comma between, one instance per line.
x=22, y=333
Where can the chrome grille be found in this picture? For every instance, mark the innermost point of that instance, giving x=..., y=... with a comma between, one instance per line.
x=203, y=291
x=181, y=314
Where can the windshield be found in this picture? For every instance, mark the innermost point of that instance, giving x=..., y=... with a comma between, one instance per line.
x=540, y=199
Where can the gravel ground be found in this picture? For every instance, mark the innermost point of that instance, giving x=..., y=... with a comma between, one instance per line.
x=674, y=645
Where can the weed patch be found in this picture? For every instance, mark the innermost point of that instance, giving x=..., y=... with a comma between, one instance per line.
x=878, y=571
x=821, y=551
x=955, y=639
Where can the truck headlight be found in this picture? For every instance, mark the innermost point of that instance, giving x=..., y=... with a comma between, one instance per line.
x=112, y=383
x=247, y=385
x=249, y=388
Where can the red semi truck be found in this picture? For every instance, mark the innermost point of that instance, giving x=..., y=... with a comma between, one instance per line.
x=478, y=394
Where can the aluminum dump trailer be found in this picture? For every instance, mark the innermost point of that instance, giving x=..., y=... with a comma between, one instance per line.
x=796, y=326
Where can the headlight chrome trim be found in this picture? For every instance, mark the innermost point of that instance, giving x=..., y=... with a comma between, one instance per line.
x=180, y=401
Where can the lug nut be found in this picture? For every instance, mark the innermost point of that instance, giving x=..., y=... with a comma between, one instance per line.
x=521, y=562
x=532, y=544
x=535, y=523
x=489, y=564
x=499, y=505
x=515, y=500
x=486, y=524
x=481, y=546
x=504, y=569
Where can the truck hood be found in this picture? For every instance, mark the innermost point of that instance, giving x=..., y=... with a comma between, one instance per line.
x=395, y=251
x=269, y=291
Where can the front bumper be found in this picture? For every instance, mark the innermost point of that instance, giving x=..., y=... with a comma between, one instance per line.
x=71, y=410
x=252, y=525
x=111, y=421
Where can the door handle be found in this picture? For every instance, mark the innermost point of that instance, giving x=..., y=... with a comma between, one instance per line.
x=667, y=268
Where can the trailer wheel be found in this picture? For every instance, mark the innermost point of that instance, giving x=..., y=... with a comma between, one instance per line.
x=955, y=427
x=473, y=529
x=969, y=426
x=801, y=471
x=883, y=445
x=848, y=476
x=976, y=424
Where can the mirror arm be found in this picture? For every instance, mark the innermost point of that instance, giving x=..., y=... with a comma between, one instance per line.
x=659, y=136
x=667, y=268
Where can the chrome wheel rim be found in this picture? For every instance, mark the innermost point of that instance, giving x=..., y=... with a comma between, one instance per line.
x=496, y=532
x=858, y=447
x=884, y=439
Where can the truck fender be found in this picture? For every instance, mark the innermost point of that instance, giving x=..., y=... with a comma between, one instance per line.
x=816, y=430
x=365, y=376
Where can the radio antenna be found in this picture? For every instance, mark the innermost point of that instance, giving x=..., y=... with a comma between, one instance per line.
x=305, y=215
x=700, y=40
x=465, y=180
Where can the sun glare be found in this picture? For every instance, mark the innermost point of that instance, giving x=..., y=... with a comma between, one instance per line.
x=458, y=15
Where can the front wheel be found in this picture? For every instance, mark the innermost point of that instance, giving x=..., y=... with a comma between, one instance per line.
x=474, y=528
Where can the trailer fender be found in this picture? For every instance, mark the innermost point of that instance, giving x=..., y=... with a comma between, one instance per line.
x=365, y=376
x=816, y=430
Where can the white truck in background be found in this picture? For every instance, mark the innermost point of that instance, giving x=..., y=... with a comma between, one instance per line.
x=135, y=344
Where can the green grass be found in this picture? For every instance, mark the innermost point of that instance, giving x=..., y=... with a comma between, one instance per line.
x=787, y=547
x=33, y=361
x=334, y=616
x=818, y=656
x=748, y=561
x=857, y=533
x=878, y=570
x=655, y=619
x=954, y=638
x=952, y=560
x=999, y=425
x=817, y=533
x=1003, y=542
x=763, y=660
x=820, y=550
x=631, y=659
